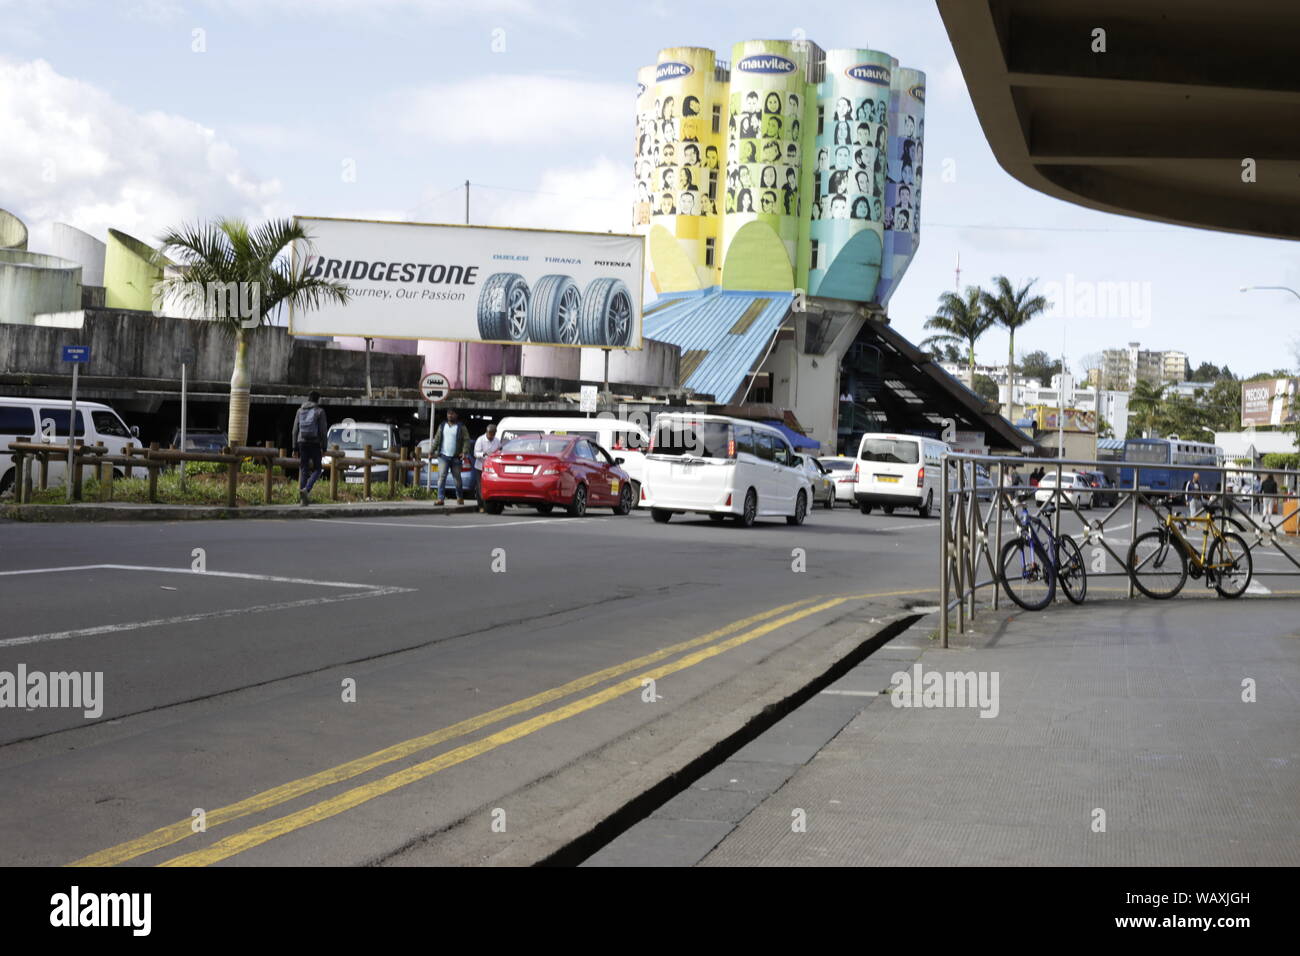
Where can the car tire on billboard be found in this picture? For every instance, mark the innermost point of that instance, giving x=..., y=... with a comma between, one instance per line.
x=553, y=310
x=503, y=308
x=606, y=313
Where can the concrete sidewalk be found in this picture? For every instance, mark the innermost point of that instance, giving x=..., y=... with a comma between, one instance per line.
x=134, y=511
x=1133, y=709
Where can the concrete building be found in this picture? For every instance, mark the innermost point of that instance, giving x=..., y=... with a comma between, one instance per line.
x=1124, y=368
x=1109, y=405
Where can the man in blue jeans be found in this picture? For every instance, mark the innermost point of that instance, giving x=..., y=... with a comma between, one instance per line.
x=451, y=445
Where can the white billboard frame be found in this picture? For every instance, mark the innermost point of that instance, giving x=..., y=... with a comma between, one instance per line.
x=635, y=289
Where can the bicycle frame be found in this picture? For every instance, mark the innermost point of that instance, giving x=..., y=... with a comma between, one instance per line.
x=1210, y=530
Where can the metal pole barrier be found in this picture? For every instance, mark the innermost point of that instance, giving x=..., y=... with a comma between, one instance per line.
x=72, y=434
x=943, y=553
x=997, y=548
x=961, y=550
x=973, y=572
x=1133, y=525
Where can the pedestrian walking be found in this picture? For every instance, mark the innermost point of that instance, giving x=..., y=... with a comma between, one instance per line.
x=1192, y=494
x=1255, y=507
x=451, y=445
x=309, y=429
x=1268, y=487
x=485, y=445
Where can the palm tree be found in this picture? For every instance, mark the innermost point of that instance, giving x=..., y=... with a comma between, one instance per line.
x=1012, y=308
x=960, y=320
x=226, y=260
x=1147, y=404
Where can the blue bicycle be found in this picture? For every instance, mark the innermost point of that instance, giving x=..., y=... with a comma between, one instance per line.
x=1034, y=561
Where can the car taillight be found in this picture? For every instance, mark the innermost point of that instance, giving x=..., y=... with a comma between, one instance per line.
x=643, y=494
x=728, y=500
x=558, y=468
x=920, y=476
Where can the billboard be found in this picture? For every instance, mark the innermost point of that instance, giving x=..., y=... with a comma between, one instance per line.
x=1270, y=401
x=474, y=283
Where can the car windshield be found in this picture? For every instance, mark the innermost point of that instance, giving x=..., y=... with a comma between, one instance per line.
x=106, y=423
x=510, y=433
x=535, y=445
x=836, y=464
x=679, y=436
x=355, y=439
x=890, y=450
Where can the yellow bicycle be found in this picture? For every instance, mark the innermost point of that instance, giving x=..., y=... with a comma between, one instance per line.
x=1160, y=560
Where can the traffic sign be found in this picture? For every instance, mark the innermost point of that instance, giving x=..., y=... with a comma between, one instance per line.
x=587, y=398
x=76, y=353
x=435, y=386
x=188, y=355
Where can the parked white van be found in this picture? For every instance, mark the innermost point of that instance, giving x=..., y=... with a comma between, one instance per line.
x=898, y=471
x=622, y=439
x=46, y=419
x=719, y=466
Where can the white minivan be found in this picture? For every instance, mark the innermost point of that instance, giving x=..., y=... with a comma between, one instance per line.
x=23, y=418
x=719, y=466
x=898, y=471
x=622, y=439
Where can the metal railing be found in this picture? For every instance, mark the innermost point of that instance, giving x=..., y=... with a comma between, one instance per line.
x=972, y=536
x=32, y=459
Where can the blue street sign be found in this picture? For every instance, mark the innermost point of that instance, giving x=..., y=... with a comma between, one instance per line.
x=76, y=353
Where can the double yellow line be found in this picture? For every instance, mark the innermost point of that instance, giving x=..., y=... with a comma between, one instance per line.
x=227, y=847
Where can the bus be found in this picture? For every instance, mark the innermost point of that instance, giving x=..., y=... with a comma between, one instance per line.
x=1167, y=464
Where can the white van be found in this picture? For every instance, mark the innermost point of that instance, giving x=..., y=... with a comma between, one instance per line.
x=47, y=420
x=622, y=439
x=898, y=471
x=719, y=466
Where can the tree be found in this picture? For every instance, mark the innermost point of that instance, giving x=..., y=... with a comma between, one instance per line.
x=1206, y=372
x=252, y=266
x=1012, y=308
x=1039, y=365
x=985, y=388
x=1103, y=428
x=1146, y=404
x=959, y=319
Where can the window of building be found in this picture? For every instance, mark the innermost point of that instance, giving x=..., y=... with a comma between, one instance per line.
x=812, y=258
x=713, y=184
x=821, y=120
x=708, y=251
x=717, y=118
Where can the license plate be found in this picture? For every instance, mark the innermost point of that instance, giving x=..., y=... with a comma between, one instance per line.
x=519, y=469
x=358, y=480
x=892, y=479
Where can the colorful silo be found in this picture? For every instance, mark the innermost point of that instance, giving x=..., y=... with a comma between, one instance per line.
x=903, y=184
x=130, y=272
x=69, y=242
x=13, y=234
x=847, y=195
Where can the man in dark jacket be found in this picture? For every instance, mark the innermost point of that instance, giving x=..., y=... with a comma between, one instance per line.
x=451, y=445
x=309, y=430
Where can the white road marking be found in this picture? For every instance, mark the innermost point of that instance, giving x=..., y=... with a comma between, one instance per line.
x=190, y=618
x=211, y=574
x=852, y=693
x=905, y=527
x=1254, y=587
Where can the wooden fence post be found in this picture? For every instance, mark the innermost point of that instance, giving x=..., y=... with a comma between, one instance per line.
x=153, y=473
x=270, y=473
x=232, y=481
x=366, y=493
x=334, y=472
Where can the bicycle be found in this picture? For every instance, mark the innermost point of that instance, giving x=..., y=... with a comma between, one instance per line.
x=1028, y=576
x=1160, y=560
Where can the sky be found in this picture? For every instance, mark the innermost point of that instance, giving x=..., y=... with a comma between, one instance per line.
x=143, y=114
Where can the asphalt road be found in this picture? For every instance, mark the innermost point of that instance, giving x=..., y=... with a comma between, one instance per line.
x=484, y=654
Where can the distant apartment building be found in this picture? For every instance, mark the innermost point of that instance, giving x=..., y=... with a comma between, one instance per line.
x=1124, y=368
x=1107, y=404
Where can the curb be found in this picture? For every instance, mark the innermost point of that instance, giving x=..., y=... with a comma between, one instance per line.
x=109, y=512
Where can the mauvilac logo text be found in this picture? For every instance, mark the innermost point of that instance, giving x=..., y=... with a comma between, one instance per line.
x=918, y=93
x=868, y=73
x=766, y=63
x=24, y=689
x=672, y=71
x=945, y=689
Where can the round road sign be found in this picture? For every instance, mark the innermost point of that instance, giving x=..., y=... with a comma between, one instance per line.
x=435, y=386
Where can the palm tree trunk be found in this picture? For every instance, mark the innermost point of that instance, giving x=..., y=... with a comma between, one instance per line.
x=1011, y=374
x=237, y=427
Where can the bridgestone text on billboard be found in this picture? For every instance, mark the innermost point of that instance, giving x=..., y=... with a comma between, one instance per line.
x=474, y=283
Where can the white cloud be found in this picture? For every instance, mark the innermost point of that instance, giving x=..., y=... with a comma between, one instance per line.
x=522, y=111
x=70, y=153
x=595, y=198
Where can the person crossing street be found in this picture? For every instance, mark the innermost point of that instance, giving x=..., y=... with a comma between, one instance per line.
x=451, y=445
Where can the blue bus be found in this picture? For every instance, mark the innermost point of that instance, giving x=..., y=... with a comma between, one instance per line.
x=1168, y=463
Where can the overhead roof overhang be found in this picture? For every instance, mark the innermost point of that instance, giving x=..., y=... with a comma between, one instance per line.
x=1159, y=125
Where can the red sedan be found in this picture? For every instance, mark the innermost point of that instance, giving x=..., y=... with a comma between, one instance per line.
x=549, y=470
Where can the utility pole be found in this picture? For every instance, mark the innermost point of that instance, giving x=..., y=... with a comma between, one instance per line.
x=957, y=277
x=369, y=342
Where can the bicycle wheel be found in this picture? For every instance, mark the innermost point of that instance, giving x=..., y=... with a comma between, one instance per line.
x=1157, y=565
x=1027, y=574
x=1071, y=573
x=1231, y=549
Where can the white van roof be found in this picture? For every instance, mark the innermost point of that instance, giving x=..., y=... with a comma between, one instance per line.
x=51, y=402
x=573, y=422
x=722, y=419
